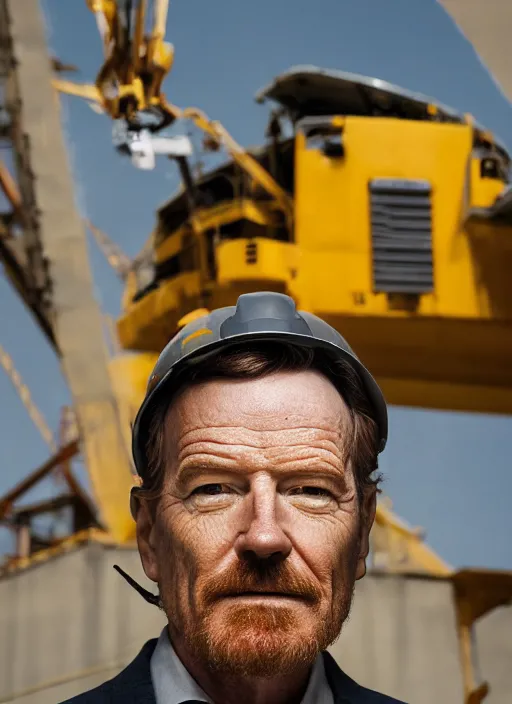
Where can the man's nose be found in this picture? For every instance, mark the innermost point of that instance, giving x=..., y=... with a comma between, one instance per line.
x=264, y=536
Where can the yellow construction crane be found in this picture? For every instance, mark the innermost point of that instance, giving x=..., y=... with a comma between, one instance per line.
x=399, y=235
x=428, y=259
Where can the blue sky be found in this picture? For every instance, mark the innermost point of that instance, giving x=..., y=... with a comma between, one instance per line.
x=448, y=473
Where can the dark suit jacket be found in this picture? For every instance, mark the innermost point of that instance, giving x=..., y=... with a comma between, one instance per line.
x=133, y=685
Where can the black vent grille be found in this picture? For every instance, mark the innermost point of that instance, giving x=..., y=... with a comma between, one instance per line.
x=251, y=253
x=401, y=226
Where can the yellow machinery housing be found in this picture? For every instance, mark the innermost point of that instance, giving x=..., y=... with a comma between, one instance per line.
x=401, y=238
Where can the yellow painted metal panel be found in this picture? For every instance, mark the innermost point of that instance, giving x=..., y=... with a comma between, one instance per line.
x=275, y=261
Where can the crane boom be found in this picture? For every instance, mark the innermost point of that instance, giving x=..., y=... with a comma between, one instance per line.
x=135, y=63
x=118, y=260
x=130, y=80
x=212, y=128
x=75, y=318
x=244, y=160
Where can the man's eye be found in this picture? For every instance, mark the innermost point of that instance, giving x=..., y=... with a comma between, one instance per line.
x=210, y=490
x=314, y=498
x=311, y=491
x=213, y=496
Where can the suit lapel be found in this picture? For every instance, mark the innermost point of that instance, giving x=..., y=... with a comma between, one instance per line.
x=344, y=689
x=133, y=685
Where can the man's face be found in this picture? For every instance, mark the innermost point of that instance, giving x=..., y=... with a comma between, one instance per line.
x=259, y=535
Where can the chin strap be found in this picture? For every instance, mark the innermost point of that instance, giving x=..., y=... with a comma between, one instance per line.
x=153, y=599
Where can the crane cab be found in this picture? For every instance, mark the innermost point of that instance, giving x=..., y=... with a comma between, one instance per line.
x=401, y=238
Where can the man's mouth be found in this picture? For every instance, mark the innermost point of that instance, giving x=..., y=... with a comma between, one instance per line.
x=263, y=595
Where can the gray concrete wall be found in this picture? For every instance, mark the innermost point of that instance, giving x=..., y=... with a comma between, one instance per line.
x=71, y=623
x=494, y=654
x=72, y=618
x=401, y=639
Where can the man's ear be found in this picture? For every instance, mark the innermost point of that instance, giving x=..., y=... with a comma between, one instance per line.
x=368, y=509
x=145, y=521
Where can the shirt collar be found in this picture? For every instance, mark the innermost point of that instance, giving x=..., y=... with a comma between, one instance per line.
x=173, y=683
x=318, y=691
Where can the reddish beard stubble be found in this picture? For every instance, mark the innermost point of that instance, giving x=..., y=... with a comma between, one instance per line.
x=265, y=640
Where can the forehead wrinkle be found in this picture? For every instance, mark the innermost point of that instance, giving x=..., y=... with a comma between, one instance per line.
x=324, y=448
x=211, y=456
x=255, y=438
x=192, y=466
x=304, y=453
x=291, y=445
x=213, y=411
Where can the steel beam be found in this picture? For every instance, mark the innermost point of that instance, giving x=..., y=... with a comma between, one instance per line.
x=13, y=258
x=57, y=239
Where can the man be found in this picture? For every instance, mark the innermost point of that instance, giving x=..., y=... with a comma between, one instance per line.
x=257, y=446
